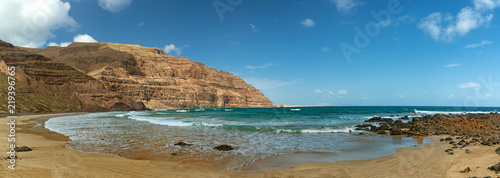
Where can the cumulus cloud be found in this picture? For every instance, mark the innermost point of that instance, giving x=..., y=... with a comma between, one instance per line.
x=445, y=27
x=266, y=65
x=29, y=23
x=452, y=65
x=114, y=5
x=85, y=38
x=171, y=48
x=344, y=6
x=254, y=29
x=484, y=42
x=469, y=85
x=307, y=23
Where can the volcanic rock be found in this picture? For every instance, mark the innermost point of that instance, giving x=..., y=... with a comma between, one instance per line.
x=22, y=149
x=396, y=131
x=466, y=170
x=224, y=148
x=183, y=144
x=495, y=168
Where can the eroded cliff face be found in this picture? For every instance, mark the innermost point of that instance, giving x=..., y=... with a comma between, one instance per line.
x=159, y=81
x=43, y=85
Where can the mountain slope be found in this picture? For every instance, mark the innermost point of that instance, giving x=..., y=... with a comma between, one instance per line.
x=159, y=81
x=43, y=85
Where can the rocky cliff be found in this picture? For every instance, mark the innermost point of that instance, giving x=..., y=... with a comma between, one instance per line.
x=43, y=85
x=159, y=81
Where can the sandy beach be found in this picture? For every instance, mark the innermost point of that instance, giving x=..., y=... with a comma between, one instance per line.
x=50, y=158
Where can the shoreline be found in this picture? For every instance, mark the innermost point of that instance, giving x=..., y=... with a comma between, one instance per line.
x=51, y=158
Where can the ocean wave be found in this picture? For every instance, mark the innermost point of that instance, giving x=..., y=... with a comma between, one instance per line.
x=182, y=110
x=168, y=121
x=452, y=112
x=294, y=109
x=329, y=130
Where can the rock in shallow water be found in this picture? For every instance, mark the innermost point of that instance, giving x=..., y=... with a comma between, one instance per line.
x=183, y=144
x=224, y=148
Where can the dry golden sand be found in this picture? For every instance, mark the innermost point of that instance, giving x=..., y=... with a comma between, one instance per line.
x=50, y=158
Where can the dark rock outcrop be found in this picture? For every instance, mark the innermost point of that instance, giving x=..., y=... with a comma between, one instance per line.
x=22, y=149
x=495, y=168
x=183, y=144
x=224, y=148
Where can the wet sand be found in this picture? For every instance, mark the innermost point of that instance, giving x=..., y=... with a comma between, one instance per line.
x=50, y=158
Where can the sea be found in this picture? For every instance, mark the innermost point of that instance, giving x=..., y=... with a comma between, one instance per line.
x=262, y=138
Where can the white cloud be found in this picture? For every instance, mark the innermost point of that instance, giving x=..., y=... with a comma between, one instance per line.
x=254, y=29
x=307, y=23
x=84, y=38
x=53, y=44
x=469, y=85
x=266, y=65
x=325, y=49
x=446, y=27
x=114, y=5
x=344, y=6
x=171, y=48
x=401, y=96
x=365, y=98
x=452, y=65
x=328, y=93
x=263, y=84
x=141, y=23
x=317, y=91
x=452, y=96
x=342, y=92
x=486, y=4
x=28, y=23
x=484, y=42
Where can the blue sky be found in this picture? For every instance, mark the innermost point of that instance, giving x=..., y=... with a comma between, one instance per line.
x=324, y=52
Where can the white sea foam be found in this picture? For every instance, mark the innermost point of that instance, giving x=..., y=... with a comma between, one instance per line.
x=294, y=109
x=181, y=110
x=452, y=112
x=168, y=121
x=329, y=130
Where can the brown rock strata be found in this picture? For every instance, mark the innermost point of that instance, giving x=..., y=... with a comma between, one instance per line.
x=43, y=85
x=159, y=81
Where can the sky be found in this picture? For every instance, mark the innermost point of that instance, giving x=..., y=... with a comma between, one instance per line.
x=322, y=52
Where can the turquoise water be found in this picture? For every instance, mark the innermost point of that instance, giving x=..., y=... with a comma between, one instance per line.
x=256, y=133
